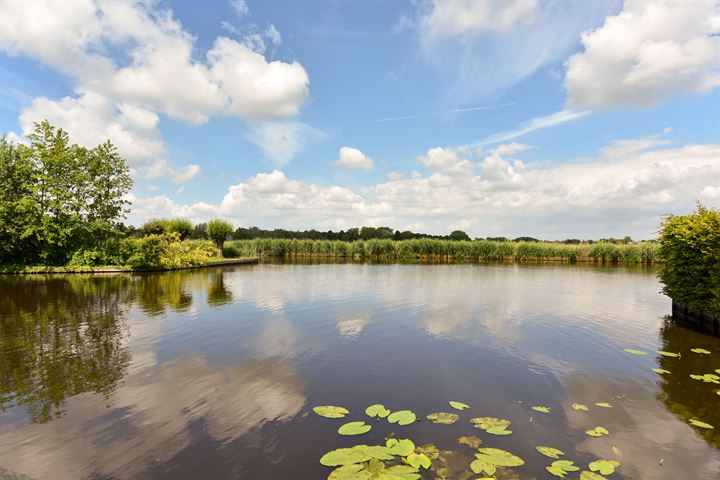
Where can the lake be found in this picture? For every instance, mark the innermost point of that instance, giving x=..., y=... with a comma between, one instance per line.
x=214, y=373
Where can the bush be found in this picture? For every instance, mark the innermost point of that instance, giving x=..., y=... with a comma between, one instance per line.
x=218, y=231
x=158, y=226
x=690, y=249
x=164, y=251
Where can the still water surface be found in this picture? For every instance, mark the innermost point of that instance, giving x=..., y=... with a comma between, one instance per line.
x=214, y=373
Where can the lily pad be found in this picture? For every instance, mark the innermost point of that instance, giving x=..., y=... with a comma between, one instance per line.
x=557, y=471
x=701, y=351
x=354, y=428
x=660, y=370
x=667, y=354
x=493, y=426
x=603, y=405
x=636, y=352
x=374, y=471
x=350, y=472
x=700, y=424
x=541, y=409
x=356, y=454
x=605, y=467
x=498, y=457
x=471, y=441
x=597, y=432
x=550, y=452
x=585, y=475
x=478, y=467
x=400, y=447
x=560, y=468
x=580, y=406
x=329, y=411
x=459, y=405
x=707, y=378
x=402, y=417
x=417, y=460
x=377, y=410
x=443, y=418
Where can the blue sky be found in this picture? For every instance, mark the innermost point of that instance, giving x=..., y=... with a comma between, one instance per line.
x=550, y=119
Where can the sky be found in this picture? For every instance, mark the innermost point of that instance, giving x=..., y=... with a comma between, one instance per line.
x=551, y=119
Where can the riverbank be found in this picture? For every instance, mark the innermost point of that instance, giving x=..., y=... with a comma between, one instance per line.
x=33, y=269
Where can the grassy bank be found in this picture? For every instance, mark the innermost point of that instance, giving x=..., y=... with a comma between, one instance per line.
x=478, y=250
x=29, y=269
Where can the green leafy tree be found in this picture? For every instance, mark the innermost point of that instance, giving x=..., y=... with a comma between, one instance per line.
x=459, y=235
x=218, y=231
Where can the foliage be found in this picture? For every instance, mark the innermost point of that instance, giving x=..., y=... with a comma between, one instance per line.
x=690, y=247
x=164, y=251
x=158, y=226
x=218, y=231
x=57, y=198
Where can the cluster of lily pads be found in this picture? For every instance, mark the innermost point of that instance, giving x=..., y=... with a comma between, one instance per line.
x=401, y=459
x=712, y=378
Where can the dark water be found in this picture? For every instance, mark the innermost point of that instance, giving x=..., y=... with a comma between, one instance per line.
x=213, y=374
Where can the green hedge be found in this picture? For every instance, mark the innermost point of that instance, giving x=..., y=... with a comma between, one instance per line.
x=690, y=248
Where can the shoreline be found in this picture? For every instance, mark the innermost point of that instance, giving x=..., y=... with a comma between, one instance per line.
x=39, y=269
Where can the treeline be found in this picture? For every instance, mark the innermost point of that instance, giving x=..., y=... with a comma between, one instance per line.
x=429, y=249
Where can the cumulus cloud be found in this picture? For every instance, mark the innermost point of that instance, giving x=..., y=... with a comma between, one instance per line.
x=349, y=157
x=620, y=192
x=471, y=17
x=647, y=52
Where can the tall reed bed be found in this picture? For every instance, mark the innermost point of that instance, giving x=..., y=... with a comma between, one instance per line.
x=425, y=248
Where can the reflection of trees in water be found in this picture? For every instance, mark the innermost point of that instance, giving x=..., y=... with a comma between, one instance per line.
x=63, y=336
x=687, y=398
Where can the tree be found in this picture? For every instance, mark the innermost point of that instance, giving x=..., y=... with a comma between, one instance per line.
x=459, y=235
x=218, y=231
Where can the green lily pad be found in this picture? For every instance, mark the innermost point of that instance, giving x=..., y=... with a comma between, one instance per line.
x=498, y=457
x=398, y=472
x=603, y=405
x=701, y=351
x=418, y=460
x=585, y=475
x=717, y=371
x=356, y=454
x=354, y=428
x=374, y=471
x=443, y=418
x=550, y=452
x=402, y=417
x=458, y=405
x=605, y=467
x=707, y=378
x=498, y=431
x=566, y=465
x=597, y=432
x=401, y=447
x=636, y=352
x=541, y=409
x=478, y=467
x=329, y=411
x=700, y=424
x=471, y=441
x=580, y=406
x=350, y=472
x=377, y=410
x=660, y=370
x=667, y=354
x=557, y=471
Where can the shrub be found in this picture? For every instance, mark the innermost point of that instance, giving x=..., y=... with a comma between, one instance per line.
x=181, y=226
x=690, y=249
x=218, y=231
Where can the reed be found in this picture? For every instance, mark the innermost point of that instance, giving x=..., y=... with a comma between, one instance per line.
x=435, y=249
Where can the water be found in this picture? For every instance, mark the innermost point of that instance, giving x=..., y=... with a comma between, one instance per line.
x=214, y=373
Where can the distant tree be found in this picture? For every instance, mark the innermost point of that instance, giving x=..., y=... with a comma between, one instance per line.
x=155, y=226
x=496, y=239
x=199, y=231
x=218, y=231
x=526, y=239
x=181, y=226
x=459, y=235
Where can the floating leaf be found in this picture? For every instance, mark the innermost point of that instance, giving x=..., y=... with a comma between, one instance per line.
x=478, y=467
x=471, y=441
x=377, y=410
x=350, y=472
x=636, y=352
x=400, y=447
x=566, y=465
x=557, y=471
x=701, y=351
x=605, y=467
x=603, y=405
x=550, y=452
x=667, y=354
x=402, y=417
x=356, y=454
x=443, y=418
x=498, y=457
x=430, y=450
x=707, y=378
x=459, y=405
x=328, y=411
x=597, y=432
x=660, y=370
x=717, y=371
x=579, y=406
x=700, y=424
x=498, y=431
x=354, y=428
x=418, y=460
x=541, y=409
x=398, y=472
x=591, y=476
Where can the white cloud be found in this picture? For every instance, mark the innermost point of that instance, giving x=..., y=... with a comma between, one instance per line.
x=511, y=148
x=349, y=157
x=240, y=7
x=647, y=52
x=272, y=33
x=534, y=124
x=464, y=18
x=617, y=193
x=280, y=141
x=160, y=169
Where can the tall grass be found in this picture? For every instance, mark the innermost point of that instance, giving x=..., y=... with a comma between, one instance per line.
x=426, y=248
